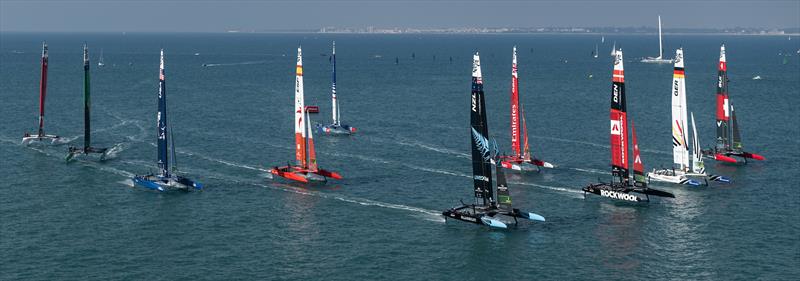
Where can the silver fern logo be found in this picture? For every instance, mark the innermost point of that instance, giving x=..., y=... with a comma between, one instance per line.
x=482, y=144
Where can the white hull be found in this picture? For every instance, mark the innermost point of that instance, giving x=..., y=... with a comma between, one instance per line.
x=672, y=176
x=51, y=139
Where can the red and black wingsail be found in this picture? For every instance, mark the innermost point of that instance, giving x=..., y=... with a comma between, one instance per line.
x=723, y=105
x=619, y=122
x=481, y=151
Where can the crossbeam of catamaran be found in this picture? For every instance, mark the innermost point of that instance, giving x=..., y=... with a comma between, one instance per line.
x=729, y=140
x=620, y=187
x=306, y=168
x=492, y=205
x=87, y=148
x=40, y=136
x=165, y=179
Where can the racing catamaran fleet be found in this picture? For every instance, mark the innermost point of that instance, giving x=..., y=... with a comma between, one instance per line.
x=492, y=204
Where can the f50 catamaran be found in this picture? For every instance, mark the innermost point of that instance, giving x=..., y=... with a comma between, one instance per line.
x=335, y=128
x=40, y=136
x=680, y=172
x=306, y=168
x=623, y=188
x=659, y=58
x=165, y=179
x=491, y=203
x=521, y=159
x=87, y=148
x=729, y=140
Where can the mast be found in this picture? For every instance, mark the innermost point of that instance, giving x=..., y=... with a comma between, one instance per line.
x=660, y=48
x=87, y=141
x=680, y=147
x=638, y=166
x=515, y=126
x=481, y=154
x=619, y=122
x=723, y=106
x=334, y=102
x=42, y=89
x=697, y=155
x=299, y=125
x=161, y=116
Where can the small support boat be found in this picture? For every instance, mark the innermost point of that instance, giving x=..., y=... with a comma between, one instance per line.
x=729, y=140
x=306, y=168
x=336, y=127
x=621, y=187
x=165, y=179
x=40, y=136
x=680, y=172
x=492, y=205
x=87, y=148
x=521, y=159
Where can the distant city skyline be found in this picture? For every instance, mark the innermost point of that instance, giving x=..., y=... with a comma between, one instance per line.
x=267, y=15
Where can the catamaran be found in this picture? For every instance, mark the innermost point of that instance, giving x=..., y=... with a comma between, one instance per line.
x=729, y=140
x=521, y=159
x=623, y=188
x=40, y=136
x=659, y=58
x=335, y=128
x=165, y=179
x=680, y=172
x=87, y=148
x=491, y=203
x=306, y=168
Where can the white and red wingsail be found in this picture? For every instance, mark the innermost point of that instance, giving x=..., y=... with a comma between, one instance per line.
x=520, y=158
x=728, y=141
x=305, y=168
x=619, y=121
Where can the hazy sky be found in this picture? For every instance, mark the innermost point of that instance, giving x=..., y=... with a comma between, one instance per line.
x=218, y=15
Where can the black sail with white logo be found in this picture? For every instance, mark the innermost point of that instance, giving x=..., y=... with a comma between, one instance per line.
x=481, y=151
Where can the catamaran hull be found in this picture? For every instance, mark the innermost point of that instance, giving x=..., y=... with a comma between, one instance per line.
x=525, y=166
x=304, y=175
x=336, y=129
x=624, y=193
x=663, y=176
x=44, y=139
x=162, y=184
x=488, y=217
x=74, y=151
x=656, y=60
x=728, y=157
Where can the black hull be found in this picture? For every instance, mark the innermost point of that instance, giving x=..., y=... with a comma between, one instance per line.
x=621, y=192
x=74, y=151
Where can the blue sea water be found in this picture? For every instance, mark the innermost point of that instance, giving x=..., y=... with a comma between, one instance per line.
x=232, y=121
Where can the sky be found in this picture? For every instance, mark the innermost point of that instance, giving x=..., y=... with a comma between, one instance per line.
x=265, y=15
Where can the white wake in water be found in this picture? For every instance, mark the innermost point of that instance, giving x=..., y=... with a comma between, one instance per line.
x=555, y=188
x=235, y=63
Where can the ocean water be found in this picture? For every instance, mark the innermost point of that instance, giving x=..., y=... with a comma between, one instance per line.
x=409, y=161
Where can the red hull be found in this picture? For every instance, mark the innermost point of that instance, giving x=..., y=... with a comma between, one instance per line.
x=300, y=174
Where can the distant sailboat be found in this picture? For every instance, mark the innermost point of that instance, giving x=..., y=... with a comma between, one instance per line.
x=40, y=136
x=335, y=128
x=521, y=159
x=623, y=189
x=595, y=53
x=614, y=49
x=306, y=168
x=492, y=205
x=729, y=142
x=659, y=58
x=87, y=148
x=100, y=60
x=165, y=179
x=681, y=171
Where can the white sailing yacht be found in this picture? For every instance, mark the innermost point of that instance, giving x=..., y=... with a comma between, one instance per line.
x=659, y=58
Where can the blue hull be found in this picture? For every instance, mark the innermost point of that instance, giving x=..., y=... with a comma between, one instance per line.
x=161, y=184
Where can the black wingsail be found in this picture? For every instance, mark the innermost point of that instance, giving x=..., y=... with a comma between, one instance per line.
x=481, y=156
x=736, y=136
x=87, y=101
